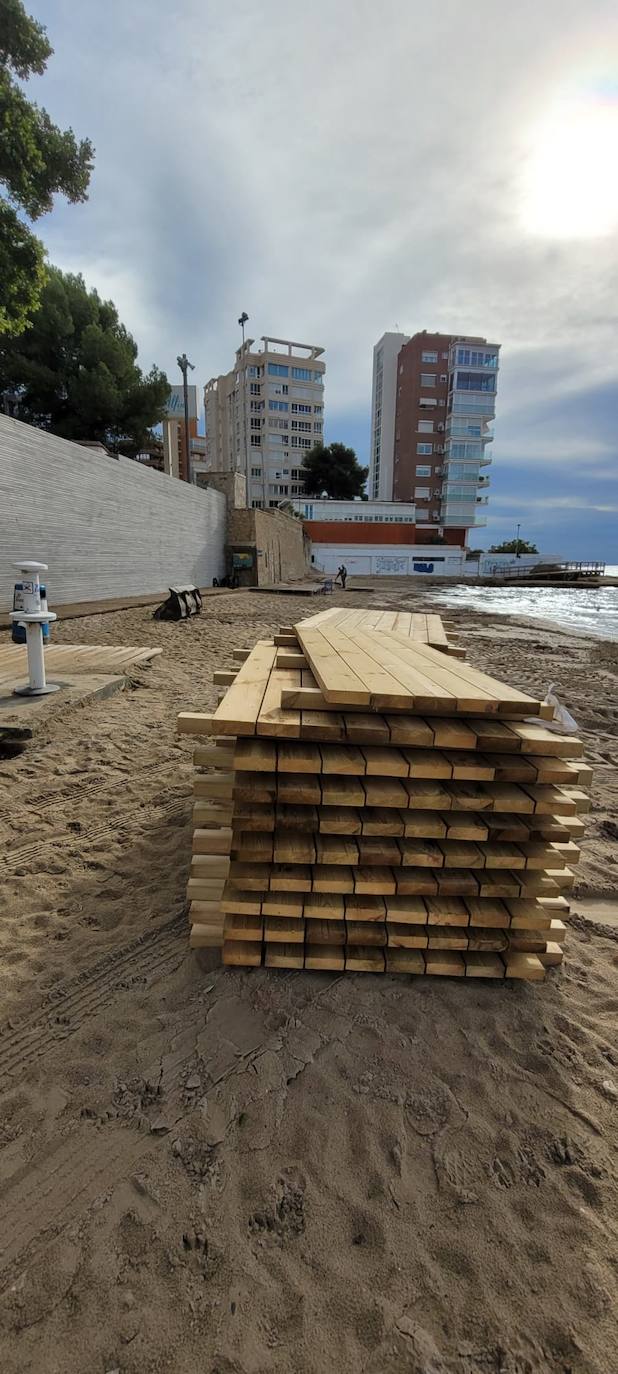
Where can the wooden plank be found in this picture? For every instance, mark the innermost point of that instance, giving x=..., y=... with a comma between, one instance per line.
x=411, y=730
x=364, y=959
x=472, y=690
x=273, y=718
x=380, y=881
x=359, y=907
x=213, y=756
x=238, y=713
x=445, y=963
x=465, y=825
x=246, y=953
x=208, y=817
x=379, y=849
x=333, y=878
x=194, y=723
x=284, y=930
x=255, y=789
x=430, y=795
x=336, y=849
x=365, y=933
x=325, y=932
x=456, y=882
x=335, y=791
x=303, y=789
x=469, y=766
x=237, y=927
x=495, y=735
x=211, y=866
x=321, y=725
x=284, y=956
x=290, y=878
x=488, y=912
x=224, y=677
x=212, y=841
x=551, y=956
x=382, y=820
x=484, y=966
x=426, y=763
x=420, y=882
x=255, y=756
x=299, y=757
x=249, y=877
x=290, y=658
x=526, y=966
x=338, y=681
x=422, y=853
x=283, y=904
x=244, y=903
x=363, y=727
x=447, y=911
x=487, y=939
x=427, y=824
x=405, y=961
x=342, y=759
x=326, y=957
x=535, y=739
x=340, y=820
x=402, y=936
x=213, y=786
x=406, y=910
x=205, y=937
x=296, y=817
x=324, y=906
x=385, y=762
x=446, y=937
x=294, y=847
x=463, y=854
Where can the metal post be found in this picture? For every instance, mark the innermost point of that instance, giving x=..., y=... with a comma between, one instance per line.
x=517, y=549
x=31, y=614
x=184, y=364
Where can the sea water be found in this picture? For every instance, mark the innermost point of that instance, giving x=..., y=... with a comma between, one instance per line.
x=590, y=611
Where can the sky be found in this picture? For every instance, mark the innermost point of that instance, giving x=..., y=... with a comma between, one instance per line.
x=345, y=168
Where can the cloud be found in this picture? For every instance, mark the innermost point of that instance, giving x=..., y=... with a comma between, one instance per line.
x=339, y=170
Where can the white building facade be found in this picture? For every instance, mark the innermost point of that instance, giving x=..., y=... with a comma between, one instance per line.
x=383, y=405
x=473, y=381
x=262, y=417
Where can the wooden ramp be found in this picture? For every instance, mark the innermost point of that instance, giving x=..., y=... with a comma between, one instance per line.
x=72, y=658
x=340, y=837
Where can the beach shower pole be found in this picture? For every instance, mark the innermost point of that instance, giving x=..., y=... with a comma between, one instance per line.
x=30, y=614
x=517, y=554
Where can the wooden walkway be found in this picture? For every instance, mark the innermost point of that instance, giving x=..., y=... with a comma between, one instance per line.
x=72, y=658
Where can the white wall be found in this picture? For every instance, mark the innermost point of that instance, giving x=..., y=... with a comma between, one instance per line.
x=389, y=560
x=107, y=527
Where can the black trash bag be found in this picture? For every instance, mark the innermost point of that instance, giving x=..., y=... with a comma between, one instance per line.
x=181, y=603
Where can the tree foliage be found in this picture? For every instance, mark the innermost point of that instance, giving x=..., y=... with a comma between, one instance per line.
x=514, y=546
x=335, y=469
x=75, y=371
x=37, y=160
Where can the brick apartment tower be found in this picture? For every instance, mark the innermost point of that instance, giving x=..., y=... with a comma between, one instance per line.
x=442, y=390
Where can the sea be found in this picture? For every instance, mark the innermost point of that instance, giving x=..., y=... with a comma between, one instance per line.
x=589, y=612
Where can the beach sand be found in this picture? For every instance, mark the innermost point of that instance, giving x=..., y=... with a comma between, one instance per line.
x=266, y=1173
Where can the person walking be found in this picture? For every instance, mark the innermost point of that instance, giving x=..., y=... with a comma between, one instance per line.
x=342, y=574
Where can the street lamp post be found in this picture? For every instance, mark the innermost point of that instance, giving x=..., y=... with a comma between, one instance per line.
x=517, y=554
x=184, y=364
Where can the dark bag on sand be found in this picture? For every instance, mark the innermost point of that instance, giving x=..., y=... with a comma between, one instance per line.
x=181, y=603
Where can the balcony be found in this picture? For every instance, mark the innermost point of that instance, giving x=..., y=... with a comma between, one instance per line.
x=466, y=521
x=484, y=481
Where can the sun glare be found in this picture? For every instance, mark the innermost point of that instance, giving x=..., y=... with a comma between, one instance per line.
x=570, y=186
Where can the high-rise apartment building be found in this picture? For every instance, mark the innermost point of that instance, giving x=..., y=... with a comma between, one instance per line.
x=264, y=415
x=383, y=405
x=440, y=422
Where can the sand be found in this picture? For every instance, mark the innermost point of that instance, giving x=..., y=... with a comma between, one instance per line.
x=252, y=1173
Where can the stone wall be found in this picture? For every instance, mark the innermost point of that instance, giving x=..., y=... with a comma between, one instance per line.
x=278, y=542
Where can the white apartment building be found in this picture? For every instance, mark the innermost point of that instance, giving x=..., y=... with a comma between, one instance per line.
x=264, y=415
x=383, y=404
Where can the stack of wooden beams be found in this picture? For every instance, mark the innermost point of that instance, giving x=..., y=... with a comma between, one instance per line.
x=378, y=805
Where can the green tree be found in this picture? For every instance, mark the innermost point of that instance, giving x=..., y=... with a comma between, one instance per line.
x=37, y=160
x=335, y=469
x=514, y=546
x=74, y=371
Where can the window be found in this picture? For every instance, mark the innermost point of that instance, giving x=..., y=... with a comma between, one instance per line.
x=429, y=356
x=445, y=357
x=255, y=389
x=472, y=451
x=255, y=424
x=256, y=440
x=475, y=381
x=427, y=402
x=256, y=472
x=423, y=470
x=444, y=376
x=257, y=405
x=298, y=488
x=319, y=377
x=424, y=448
x=254, y=371
x=303, y=425
x=318, y=427
x=278, y=405
x=300, y=409
x=425, y=426
x=421, y=493
x=428, y=378
x=278, y=370
x=301, y=374
x=257, y=505
x=318, y=410
x=273, y=503
x=472, y=357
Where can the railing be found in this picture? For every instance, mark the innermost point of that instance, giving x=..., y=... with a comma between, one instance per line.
x=573, y=568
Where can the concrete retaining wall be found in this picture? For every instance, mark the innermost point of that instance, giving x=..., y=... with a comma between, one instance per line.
x=107, y=527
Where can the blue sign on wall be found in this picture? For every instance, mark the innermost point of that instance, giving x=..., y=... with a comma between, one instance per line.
x=423, y=567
